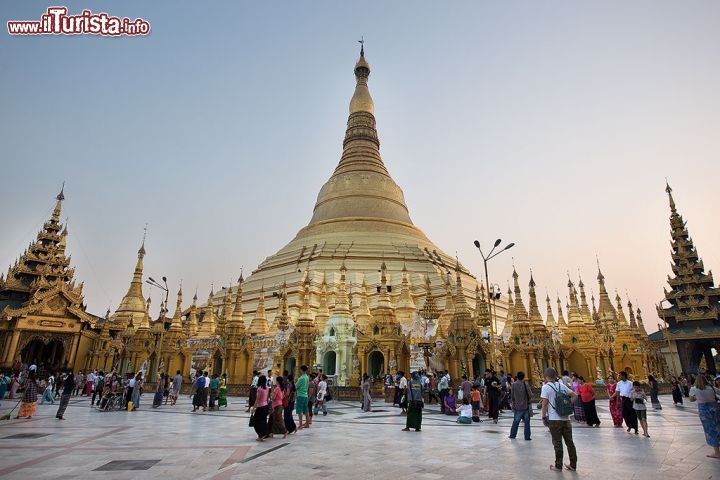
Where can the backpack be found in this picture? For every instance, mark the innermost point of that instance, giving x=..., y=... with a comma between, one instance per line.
x=563, y=404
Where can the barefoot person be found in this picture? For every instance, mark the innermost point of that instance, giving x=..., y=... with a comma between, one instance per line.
x=709, y=413
x=28, y=405
x=68, y=385
x=557, y=406
x=302, y=406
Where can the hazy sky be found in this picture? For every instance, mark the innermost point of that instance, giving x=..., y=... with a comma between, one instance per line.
x=550, y=124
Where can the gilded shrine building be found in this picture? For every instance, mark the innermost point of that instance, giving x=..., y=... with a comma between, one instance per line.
x=42, y=312
x=359, y=289
x=690, y=310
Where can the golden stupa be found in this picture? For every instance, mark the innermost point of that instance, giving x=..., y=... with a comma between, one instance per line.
x=360, y=218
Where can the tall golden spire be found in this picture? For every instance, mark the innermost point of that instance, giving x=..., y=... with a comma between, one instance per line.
x=176, y=324
x=641, y=326
x=550, y=323
x=384, y=297
x=534, y=310
x=282, y=322
x=361, y=100
x=192, y=321
x=323, y=313
x=521, y=314
x=362, y=317
x=236, y=319
x=584, y=307
x=631, y=314
x=342, y=302
x=574, y=316
x=305, y=324
x=132, y=307
x=58, y=205
x=405, y=305
x=259, y=324
x=361, y=189
x=561, y=318
x=208, y=325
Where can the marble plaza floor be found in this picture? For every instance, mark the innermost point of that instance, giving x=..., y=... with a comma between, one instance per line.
x=172, y=442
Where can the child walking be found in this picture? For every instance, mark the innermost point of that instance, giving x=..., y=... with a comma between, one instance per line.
x=639, y=398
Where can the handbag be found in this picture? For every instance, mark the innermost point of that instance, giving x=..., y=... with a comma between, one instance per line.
x=252, y=420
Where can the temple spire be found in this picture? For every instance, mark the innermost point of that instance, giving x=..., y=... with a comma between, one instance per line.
x=237, y=316
x=132, y=307
x=176, y=324
x=361, y=100
x=58, y=204
x=561, y=318
x=550, y=322
x=670, y=197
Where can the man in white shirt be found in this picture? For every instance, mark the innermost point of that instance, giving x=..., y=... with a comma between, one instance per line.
x=559, y=425
x=443, y=387
x=625, y=388
x=402, y=386
x=321, y=393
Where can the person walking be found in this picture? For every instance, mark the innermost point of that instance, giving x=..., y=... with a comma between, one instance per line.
x=47, y=395
x=98, y=388
x=68, y=385
x=176, y=385
x=28, y=405
x=676, y=393
x=415, y=403
x=587, y=397
x=312, y=396
x=466, y=387
x=521, y=403
x=579, y=414
x=302, y=404
x=137, y=391
x=625, y=387
x=443, y=386
x=366, y=398
x=199, y=388
x=159, y=389
x=321, y=394
x=402, y=386
x=654, y=392
x=615, y=402
x=214, y=390
x=639, y=398
x=557, y=406
x=289, y=403
x=708, y=411
x=493, y=393
x=260, y=410
x=277, y=398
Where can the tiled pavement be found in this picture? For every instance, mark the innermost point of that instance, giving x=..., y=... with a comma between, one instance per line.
x=172, y=442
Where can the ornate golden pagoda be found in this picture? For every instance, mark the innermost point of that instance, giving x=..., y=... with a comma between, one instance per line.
x=691, y=314
x=42, y=314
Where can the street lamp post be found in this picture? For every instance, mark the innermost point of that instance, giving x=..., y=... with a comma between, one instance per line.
x=487, y=258
x=163, y=311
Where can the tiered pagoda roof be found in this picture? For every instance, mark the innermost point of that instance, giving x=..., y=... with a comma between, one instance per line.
x=692, y=296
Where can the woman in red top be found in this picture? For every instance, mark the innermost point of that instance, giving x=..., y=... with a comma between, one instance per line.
x=278, y=420
x=588, y=401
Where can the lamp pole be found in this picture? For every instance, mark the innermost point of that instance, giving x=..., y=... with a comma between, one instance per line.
x=487, y=258
x=163, y=311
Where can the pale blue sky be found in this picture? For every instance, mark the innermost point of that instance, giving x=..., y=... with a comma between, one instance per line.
x=220, y=127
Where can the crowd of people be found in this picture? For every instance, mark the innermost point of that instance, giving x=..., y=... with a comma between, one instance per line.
x=275, y=400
